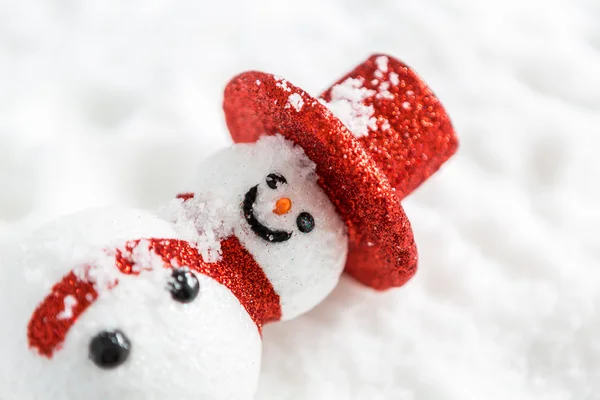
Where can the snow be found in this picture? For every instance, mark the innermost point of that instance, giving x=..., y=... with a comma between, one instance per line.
x=385, y=126
x=382, y=63
x=295, y=100
x=203, y=222
x=282, y=83
x=117, y=102
x=348, y=98
x=346, y=104
x=383, y=91
x=67, y=313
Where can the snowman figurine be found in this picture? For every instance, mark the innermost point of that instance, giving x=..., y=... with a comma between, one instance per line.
x=121, y=303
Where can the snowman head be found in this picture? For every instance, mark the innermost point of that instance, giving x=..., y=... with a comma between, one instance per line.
x=123, y=325
x=281, y=216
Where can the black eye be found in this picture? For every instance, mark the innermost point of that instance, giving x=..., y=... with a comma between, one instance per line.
x=184, y=285
x=305, y=222
x=275, y=180
x=109, y=349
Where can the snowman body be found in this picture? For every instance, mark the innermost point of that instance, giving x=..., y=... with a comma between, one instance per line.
x=207, y=348
x=277, y=265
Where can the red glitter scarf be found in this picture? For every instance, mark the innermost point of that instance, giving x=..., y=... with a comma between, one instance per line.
x=237, y=270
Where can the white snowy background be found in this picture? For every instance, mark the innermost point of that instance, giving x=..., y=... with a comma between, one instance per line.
x=115, y=102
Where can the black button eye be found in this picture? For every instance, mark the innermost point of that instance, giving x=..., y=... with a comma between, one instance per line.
x=275, y=180
x=109, y=349
x=305, y=222
x=184, y=285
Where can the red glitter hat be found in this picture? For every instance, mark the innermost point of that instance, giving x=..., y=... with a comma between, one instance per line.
x=386, y=135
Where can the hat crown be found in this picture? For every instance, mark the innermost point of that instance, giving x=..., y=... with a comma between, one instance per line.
x=396, y=117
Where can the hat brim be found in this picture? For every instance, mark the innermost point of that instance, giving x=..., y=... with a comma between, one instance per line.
x=382, y=250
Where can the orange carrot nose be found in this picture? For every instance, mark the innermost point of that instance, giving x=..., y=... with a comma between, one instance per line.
x=282, y=206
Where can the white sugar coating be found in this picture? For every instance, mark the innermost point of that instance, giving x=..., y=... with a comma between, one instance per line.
x=295, y=101
x=203, y=221
x=304, y=269
x=394, y=78
x=209, y=348
x=347, y=105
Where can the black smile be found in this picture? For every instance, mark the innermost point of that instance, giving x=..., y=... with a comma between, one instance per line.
x=265, y=233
